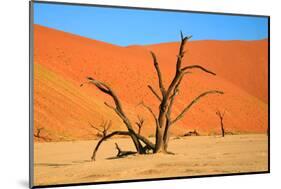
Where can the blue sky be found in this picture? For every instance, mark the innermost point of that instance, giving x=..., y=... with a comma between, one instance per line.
x=133, y=26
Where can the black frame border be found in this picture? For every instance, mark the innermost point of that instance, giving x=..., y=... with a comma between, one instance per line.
x=31, y=50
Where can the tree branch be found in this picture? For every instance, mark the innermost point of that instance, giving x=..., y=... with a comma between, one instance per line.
x=95, y=127
x=126, y=133
x=198, y=67
x=146, y=141
x=37, y=135
x=110, y=106
x=221, y=115
x=161, y=86
x=122, y=153
x=181, y=51
x=193, y=102
x=122, y=133
x=172, y=98
x=118, y=107
x=139, y=123
x=154, y=92
x=152, y=113
x=148, y=108
x=116, y=111
x=168, y=114
x=179, y=71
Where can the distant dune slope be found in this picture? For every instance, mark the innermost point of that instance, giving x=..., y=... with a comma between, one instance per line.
x=64, y=109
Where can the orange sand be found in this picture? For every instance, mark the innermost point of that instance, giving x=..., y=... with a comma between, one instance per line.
x=63, y=109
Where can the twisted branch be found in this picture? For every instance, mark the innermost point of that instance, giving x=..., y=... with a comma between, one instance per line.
x=123, y=133
x=193, y=102
x=197, y=67
x=156, y=65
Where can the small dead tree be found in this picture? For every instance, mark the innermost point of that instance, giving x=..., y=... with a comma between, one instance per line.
x=166, y=99
x=121, y=153
x=221, y=116
x=192, y=133
x=139, y=123
x=104, y=128
x=38, y=134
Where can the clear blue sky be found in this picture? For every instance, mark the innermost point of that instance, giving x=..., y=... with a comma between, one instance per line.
x=130, y=26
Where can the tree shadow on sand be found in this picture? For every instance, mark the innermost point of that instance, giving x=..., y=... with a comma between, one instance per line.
x=52, y=164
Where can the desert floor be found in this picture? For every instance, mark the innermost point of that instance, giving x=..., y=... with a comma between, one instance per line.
x=69, y=162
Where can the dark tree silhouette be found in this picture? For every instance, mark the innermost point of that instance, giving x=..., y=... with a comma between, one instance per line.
x=221, y=116
x=139, y=123
x=122, y=153
x=38, y=134
x=104, y=128
x=166, y=98
x=192, y=133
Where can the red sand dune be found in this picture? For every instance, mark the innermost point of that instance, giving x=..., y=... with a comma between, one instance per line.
x=64, y=109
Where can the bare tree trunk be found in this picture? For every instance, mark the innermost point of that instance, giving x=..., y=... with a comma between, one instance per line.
x=221, y=116
x=159, y=142
x=222, y=129
x=163, y=120
x=166, y=138
x=166, y=101
x=119, y=111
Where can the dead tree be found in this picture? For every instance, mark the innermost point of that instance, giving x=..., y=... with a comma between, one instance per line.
x=139, y=123
x=221, y=116
x=38, y=134
x=166, y=99
x=192, y=133
x=137, y=139
x=105, y=126
x=121, y=153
